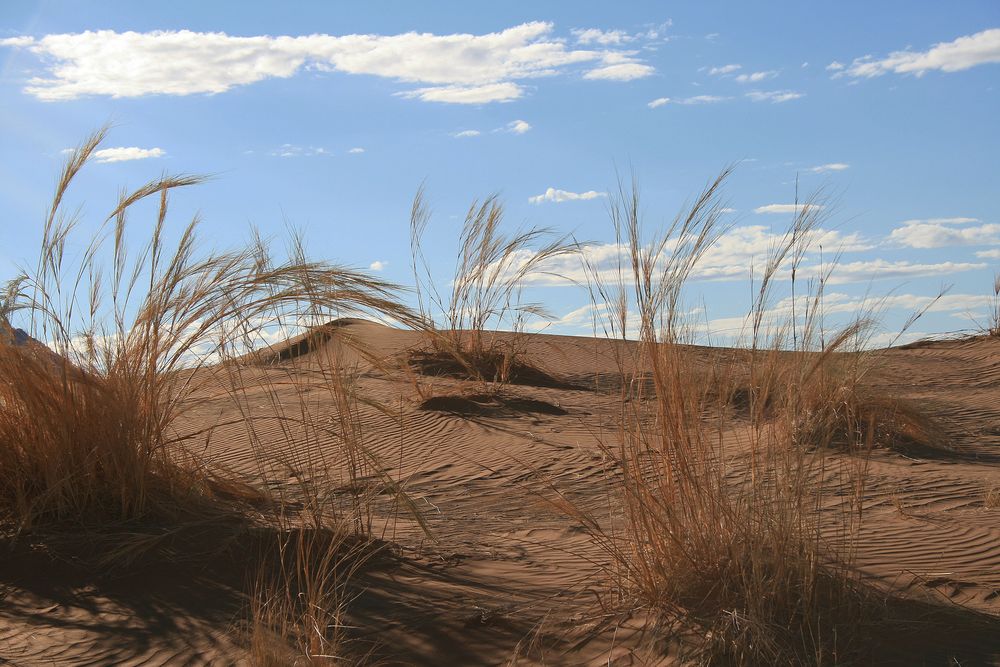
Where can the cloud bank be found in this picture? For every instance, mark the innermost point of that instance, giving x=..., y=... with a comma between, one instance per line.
x=454, y=68
x=960, y=54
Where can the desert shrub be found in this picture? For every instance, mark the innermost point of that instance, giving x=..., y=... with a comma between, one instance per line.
x=88, y=431
x=486, y=296
x=720, y=531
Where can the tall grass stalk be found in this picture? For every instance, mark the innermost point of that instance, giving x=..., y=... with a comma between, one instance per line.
x=486, y=292
x=88, y=433
x=722, y=530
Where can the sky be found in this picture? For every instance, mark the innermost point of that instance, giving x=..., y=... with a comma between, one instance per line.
x=329, y=116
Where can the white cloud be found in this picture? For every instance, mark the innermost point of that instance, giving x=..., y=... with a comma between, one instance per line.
x=835, y=66
x=453, y=68
x=935, y=234
x=603, y=37
x=518, y=126
x=785, y=208
x=955, y=56
x=492, y=92
x=620, y=72
x=378, y=265
x=466, y=133
x=559, y=196
x=124, y=154
x=614, y=37
x=880, y=269
x=774, y=96
x=687, y=101
x=988, y=254
x=832, y=166
x=729, y=258
x=725, y=69
x=941, y=221
x=756, y=76
x=291, y=150
x=356, y=150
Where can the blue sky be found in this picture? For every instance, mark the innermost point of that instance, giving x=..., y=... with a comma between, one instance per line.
x=330, y=116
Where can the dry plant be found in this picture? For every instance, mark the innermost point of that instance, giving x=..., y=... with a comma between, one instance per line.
x=993, y=328
x=721, y=522
x=95, y=440
x=299, y=598
x=87, y=434
x=486, y=296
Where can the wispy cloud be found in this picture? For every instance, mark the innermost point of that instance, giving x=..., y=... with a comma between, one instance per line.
x=291, y=150
x=988, y=254
x=491, y=92
x=452, y=68
x=357, y=150
x=697, y=99
x=954, y=56
x=587, y=36
x=378, y=265
x=774, y=96
x=756, y=76
x=466, y=133
x=832, y=166
x=785, y=208
x=125, y=154
x=602, y=37
x=725, y=69
x=620, y=72
x=559, y=196
x=518, y=126
x=941, y=233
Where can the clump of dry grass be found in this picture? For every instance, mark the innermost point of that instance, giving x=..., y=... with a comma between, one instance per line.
x=94, y=437
x=486, y=296
x=721, y=531
x=87, y=434
x=299, y=598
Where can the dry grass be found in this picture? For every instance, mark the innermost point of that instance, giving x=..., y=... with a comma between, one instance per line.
x=993, y=327
x=87, y=434
x=722, y=521
x=299, y=599
x=94, y=439
x=486, y=296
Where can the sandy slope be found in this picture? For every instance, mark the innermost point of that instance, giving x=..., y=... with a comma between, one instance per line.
x=503, y=570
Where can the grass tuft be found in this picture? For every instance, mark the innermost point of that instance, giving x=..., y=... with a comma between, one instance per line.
x=486, y=295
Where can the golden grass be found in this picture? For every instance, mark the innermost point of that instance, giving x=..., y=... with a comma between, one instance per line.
x=93, y=437
x=87, y=434
x=724, y=523
x=486, y=296
x=993, y=328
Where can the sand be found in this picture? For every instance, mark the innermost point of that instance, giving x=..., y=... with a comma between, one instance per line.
x=504, y=572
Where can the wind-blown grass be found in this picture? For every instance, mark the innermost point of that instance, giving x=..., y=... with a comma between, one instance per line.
x=87, y=434
x=486, y=295
x=728, y=532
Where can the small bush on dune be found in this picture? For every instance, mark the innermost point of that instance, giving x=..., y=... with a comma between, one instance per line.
x=485, y=296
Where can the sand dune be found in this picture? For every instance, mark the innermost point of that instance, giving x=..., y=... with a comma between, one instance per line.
x=504, y=572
